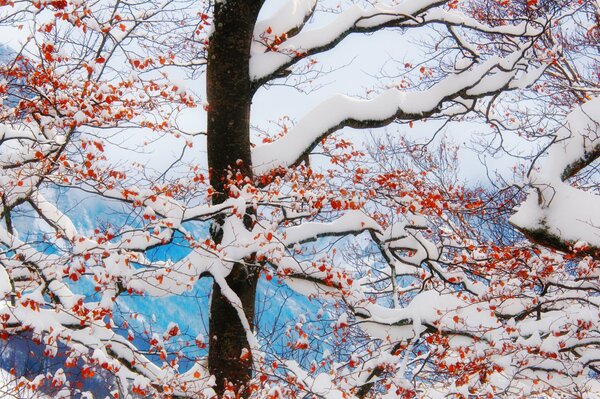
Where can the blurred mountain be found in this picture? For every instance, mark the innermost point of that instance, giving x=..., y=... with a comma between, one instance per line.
x=15, y=86
x=6, y=54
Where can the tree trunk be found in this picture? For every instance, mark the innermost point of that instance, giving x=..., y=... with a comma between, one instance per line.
x=229, y=95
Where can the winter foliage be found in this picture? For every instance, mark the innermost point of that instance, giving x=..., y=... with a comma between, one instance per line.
x=354, y=259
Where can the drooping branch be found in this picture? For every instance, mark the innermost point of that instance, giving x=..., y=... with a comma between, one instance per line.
x=491, y=76
x=269, y=63
x=289, y=18
x=556, y=214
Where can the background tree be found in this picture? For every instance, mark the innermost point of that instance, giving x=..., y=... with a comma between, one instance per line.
x=432, y=295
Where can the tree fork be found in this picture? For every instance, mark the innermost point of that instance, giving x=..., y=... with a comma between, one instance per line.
x=229, y=94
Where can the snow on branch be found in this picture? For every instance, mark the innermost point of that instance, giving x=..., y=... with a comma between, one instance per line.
x=342, y=111
x=290, y=18
x=353, y=221
x=50, y=213
x=265, y=62
x=555, y=213
x=274, y=50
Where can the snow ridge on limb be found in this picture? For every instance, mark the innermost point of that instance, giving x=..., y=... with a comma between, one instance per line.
x=274, y=50
x=289, y=19
x=555, y=213
x=265, y=64
x=342, y=111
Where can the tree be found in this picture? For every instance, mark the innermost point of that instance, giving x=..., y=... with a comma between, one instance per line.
x=432, y=294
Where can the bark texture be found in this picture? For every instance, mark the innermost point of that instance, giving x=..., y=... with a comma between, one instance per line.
x=229, y=94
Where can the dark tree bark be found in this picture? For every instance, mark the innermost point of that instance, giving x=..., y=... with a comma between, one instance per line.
x=229, y=94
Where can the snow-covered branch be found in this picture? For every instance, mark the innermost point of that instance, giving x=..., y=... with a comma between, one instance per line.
x=555, y=213
x=489, y=77
x=269, y=61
